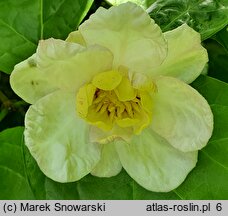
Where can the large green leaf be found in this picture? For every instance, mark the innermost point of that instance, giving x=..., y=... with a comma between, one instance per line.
x=35, y=177
x=206, y=17
x=13, y=177
x=213, y=90
x=117, y=187
x=24, y=22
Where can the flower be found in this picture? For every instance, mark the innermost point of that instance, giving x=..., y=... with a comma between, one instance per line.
x=115, y=94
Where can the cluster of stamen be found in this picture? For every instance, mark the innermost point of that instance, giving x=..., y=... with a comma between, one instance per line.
x=107, y=101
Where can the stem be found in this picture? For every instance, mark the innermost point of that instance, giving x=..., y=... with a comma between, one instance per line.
x=8, y=105
x=19, y=104
x=5, y=100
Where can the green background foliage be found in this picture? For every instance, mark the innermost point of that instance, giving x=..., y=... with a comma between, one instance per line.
x=23, y=23
x=206, y=17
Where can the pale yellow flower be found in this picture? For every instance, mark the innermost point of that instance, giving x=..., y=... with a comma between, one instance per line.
x=114, y=94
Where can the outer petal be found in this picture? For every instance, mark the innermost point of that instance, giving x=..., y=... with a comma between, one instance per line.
x=58, y=65
x=153, y=163
x=181, y=115
x=131, y=35
x=58, y=139
x=186, y=56
x=29, y=82
x=109, y=165
x=76, y=37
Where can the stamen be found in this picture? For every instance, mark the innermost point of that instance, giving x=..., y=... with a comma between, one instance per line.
x=99, y=107
x=126, y=107
x=103, y=108
x=120, y=110
x=99, y=98
x=135, y=106
x=129, y=108
x=136, y=100
x=111, y=107
x=111, y=116
x=108, y=101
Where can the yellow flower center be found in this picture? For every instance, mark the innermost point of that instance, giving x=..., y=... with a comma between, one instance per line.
x=110, y=99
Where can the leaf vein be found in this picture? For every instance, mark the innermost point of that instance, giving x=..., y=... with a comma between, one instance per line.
x=12, y=171
x=178, y=194
x=15, y=31
x=215, y=161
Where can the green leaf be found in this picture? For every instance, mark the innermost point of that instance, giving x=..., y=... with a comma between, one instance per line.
x=206, y=17
x=14, y=183
x=114, y=188
x=23, y=23
x=35, y=177
x=90, y=187
x=64, y=191
x=213, y=90
x=218, y=54
x=60, y=17
x=222, y=37
x=143, y=194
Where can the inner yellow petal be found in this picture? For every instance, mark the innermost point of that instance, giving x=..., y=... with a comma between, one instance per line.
x=144, y=121
x=125, y=91
x=146, y=101
x=110, y=101
x=99, y=119
x=108, y=80
x=84, y=99
x=127, y=122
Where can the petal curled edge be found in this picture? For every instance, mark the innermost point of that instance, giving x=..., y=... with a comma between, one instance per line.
x=109, y=165
x=153, y=163
x=58, y=65
x=181, y=115
x=186, y=56
x=76, y=37
x=58, y=139
x=128, y=31
x=30, y=83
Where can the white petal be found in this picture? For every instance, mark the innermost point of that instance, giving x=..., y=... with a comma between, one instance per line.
x=58, y=139
x=181, y=115
x=153, y=163
x=58, y=65
x=128, y=31
x=29, y=82
x=186, y=56
x=109, y=165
